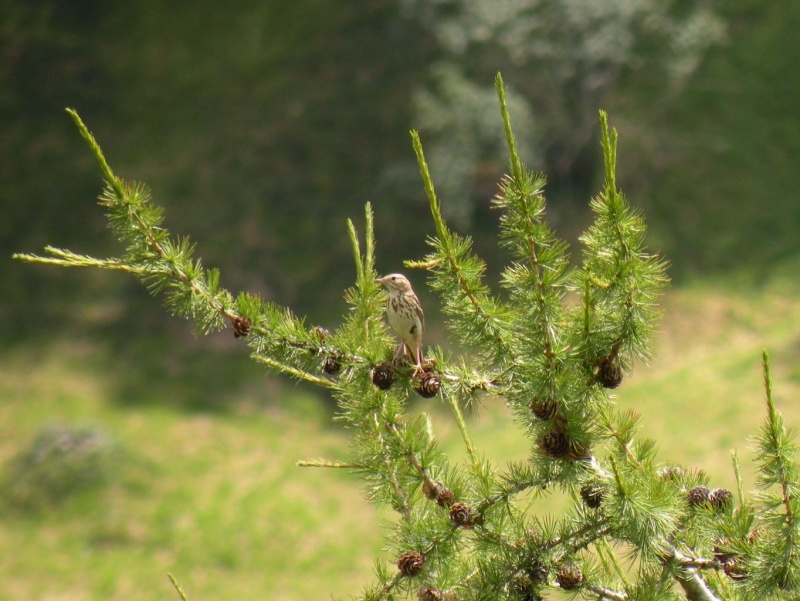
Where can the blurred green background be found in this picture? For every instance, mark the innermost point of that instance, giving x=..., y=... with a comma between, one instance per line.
x=261, y=127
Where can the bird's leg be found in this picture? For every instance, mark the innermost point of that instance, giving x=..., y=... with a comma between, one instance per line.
x=418, y=358
x=400, y=353
x=404, y=352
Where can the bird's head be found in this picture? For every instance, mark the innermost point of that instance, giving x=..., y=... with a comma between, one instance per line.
x=395, y=283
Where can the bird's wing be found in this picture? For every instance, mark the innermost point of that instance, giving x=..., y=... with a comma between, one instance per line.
x=419, y=313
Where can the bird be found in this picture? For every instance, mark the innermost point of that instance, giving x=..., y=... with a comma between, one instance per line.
x=405, y=316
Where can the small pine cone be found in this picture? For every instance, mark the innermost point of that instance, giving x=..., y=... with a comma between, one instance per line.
x=592, y=495
x=383, y=376
x=428, y=385
x=410, y=563
x=241, y=326
x=332, y=364
x=320, y=332
x=754, y=534
x=609, y=373
x=544, y=409
x=555, y=444
x=430, y=593
x=570, y=577
x=720, y=498
x=461, y=514
x=698, y=496
x=444, y=497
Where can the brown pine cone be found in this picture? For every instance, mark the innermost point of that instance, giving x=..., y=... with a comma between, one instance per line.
x=570, y=577
x=697, y=495
x=241, y=326
x=592, y=495
x=558, y=445
x=609, y=373
x=544, y=409
x=444, y=497
x=320, y=332
x=720, y=498
x=577, y=451
x=383, y=376
x=555, y=444
x=332, y=364
x=428, y=384
x=461, y=514
x=430, y=593
x=410, y=563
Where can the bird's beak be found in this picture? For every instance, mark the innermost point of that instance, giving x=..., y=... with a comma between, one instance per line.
x=381, y=280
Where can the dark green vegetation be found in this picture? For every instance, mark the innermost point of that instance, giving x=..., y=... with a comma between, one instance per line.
x=262, y=123
x=716, y=167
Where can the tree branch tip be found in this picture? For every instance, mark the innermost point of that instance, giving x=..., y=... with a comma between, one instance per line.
x=326, y=463
x=177, y=586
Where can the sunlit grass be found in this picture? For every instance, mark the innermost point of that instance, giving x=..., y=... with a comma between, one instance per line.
x=215, y=499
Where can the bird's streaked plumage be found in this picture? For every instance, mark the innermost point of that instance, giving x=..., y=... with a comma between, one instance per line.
x=405, y=316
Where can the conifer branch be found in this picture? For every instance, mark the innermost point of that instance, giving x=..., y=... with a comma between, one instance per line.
x=327, y=463
x=516, y=165
x=462, y=427
x=607, y=556
x=400, y=502
x=504, y=496
x=112, y=179
x=66, y=258
x=403, y=506
x=539, y=275
x=458, y=275
x=621, y=281
x=582, y=537
x=778, y=561
x=423, y=473
x=607, y=593
x=689, y=578
x=738, y=475
x=293, y=371
x=177, y=587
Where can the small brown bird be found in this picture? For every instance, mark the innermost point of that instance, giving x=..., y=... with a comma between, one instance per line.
x=405, y=317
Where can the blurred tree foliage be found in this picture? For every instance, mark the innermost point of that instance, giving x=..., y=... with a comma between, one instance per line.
x=258, y=124
x=565, y=59
x=717, y=167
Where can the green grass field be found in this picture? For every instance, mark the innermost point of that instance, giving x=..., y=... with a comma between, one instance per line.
x=215, y=498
